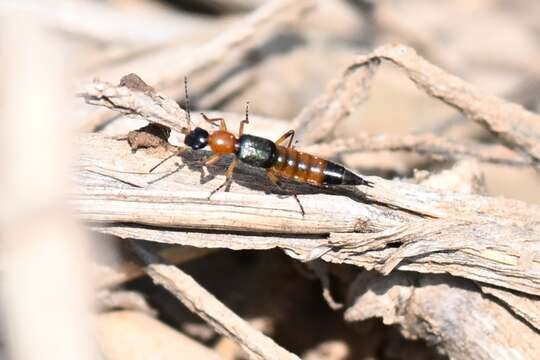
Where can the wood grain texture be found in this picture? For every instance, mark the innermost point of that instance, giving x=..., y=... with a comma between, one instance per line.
x=464, y=323
x=400, y=225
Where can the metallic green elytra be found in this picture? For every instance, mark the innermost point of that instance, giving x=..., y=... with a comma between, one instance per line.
x=256, y=151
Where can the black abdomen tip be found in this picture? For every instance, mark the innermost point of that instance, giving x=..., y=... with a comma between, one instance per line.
x=350, y=178
x=335, y=174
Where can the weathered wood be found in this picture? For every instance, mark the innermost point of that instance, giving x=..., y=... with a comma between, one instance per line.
x=394, y=225
x=222, y=319
x=408, y=226
x=445, y=311
x=515, y=126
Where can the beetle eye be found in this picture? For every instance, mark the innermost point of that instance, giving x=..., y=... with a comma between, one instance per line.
x=197, y=139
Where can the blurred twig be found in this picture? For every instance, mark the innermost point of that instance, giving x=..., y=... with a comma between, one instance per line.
x=169, y=70
x=526, y=94
x=518, y=128
x=44, y=284
x=215, y=313
x=344, y=93
x=164, y=111
x=425, y=144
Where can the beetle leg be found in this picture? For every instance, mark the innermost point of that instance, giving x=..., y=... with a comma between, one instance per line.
x=212, y=160
x=222, y=124
x=228, y=178
x=288, y=134
x=274, y=179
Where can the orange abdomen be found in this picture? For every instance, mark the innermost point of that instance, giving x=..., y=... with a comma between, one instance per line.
x=298, y=166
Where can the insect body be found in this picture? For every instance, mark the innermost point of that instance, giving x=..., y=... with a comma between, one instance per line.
x=280, y=161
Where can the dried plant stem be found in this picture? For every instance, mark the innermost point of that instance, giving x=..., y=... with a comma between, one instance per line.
x=170, y=69
x=223, y=320
x=162, y=110
x=425, y=144
x=517, y=127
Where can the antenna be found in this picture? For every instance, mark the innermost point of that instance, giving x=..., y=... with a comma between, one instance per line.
x=176, y=153
x=247, y=112
x=188, y=111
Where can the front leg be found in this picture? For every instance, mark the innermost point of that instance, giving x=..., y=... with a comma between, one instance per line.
x=222, y=124
x=212, y=160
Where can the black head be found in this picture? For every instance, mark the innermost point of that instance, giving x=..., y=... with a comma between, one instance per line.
x=197, y=139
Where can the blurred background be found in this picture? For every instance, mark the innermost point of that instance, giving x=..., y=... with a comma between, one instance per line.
x=49, y=49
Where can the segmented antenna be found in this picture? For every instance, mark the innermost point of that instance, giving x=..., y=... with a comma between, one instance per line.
x=247, y=112
x=188, y=111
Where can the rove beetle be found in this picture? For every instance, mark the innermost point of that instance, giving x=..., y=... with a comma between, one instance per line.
x=280, y=161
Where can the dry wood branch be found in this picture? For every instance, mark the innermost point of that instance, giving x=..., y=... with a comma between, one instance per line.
x=526, y=307
x=516, y=127
x=162, y=110
x=491, y=240
x=172, y=64
x=114, y=274
x=147, y=105
x=252, y=30
x=345, y=93
x=215, y=313
x=425, y=144
x=445, y=311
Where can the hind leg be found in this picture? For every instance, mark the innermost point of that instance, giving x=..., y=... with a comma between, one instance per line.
x=289, y=134
x=274, y=179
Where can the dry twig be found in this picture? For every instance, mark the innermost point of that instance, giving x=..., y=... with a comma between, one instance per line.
x=445, y=311
x=518, y=128
x=394, y=225
x=169, y=70
x=162, y=110
x=215, y=313
x=425, y=144
x=147, y=104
